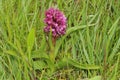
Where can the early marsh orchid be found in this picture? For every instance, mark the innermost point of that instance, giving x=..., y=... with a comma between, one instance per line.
x=55, y=22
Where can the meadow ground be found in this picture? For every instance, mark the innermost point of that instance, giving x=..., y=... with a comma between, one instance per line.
x=89, y=50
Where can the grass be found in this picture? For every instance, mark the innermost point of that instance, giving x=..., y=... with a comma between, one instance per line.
x=90, y=49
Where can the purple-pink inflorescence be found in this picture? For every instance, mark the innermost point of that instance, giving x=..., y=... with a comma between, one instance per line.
x=55, y=22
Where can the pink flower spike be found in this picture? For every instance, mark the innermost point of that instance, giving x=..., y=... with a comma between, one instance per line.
x=56, y=20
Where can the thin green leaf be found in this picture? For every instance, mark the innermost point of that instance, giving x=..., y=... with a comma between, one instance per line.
x=30, y=40
x=96, y=78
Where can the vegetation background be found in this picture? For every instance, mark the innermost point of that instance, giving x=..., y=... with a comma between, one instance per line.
x=90, y=49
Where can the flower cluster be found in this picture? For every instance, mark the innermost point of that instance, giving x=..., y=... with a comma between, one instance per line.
x=55, y=22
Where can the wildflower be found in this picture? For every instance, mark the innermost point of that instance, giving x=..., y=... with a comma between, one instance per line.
x=55, y=22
